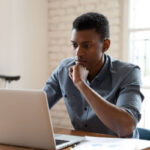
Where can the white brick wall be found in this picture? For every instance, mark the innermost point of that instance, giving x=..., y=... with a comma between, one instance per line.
x=61, y=13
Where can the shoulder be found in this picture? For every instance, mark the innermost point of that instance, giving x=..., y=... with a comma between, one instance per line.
x=121, y=67
x=124, y=72
x=66, y=63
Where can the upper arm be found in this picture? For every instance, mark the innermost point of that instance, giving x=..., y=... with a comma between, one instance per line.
x=52, y=88
x=130, y=96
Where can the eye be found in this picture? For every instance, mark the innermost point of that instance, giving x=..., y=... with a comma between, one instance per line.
x=74, y=45
x=86, y=46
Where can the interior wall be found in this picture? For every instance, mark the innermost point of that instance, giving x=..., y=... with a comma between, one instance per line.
x=61, y=14
x=23, y=42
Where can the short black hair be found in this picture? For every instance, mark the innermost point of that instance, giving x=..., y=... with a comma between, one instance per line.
x=93, y=20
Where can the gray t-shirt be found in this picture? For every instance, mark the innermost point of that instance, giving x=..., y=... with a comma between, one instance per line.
x=117, y=82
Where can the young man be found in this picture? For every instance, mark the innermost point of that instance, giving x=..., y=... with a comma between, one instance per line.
x=101, y=94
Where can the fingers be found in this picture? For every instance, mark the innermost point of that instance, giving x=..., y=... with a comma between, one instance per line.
x=78, y=72
x=76, y=67
x=84, y=69
x=70, y=72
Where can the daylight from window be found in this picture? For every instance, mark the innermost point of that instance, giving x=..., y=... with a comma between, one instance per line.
x=139, y=49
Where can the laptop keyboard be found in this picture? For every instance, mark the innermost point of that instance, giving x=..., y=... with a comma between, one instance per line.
x=58, y=142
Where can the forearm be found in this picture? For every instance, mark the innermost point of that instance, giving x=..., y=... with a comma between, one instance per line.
x=112, y=116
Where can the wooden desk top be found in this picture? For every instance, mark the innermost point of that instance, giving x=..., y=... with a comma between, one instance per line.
x=58, y=131
x=79, y=133
x=82, y=133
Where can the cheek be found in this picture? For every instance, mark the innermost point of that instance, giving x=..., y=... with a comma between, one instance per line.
x=99, y=52
x=95, y=55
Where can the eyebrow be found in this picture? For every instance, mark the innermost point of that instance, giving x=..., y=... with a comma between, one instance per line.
x=84, y=42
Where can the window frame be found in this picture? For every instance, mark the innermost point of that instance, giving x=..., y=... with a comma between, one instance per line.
x=126, y=30
x=126, y=33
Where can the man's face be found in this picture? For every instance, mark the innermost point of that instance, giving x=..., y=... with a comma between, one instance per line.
x=87, y=48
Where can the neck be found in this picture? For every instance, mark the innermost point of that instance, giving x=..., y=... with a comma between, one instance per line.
x=96, y=69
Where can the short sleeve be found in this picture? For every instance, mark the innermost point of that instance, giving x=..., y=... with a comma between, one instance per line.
x=52, y=88
x=130, y=97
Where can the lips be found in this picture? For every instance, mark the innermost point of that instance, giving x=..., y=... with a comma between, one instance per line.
x=80, y=61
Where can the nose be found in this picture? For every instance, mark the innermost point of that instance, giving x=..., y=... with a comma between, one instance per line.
x=79, y=51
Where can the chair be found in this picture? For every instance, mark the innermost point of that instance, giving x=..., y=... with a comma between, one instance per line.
x=9, y=79
x=144, y=133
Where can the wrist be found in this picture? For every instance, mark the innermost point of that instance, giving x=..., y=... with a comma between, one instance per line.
x=80, y=84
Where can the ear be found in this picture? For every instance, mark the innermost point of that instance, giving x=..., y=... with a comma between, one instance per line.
x=106, y=45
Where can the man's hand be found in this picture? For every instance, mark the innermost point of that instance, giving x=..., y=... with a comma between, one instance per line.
x=78, y=74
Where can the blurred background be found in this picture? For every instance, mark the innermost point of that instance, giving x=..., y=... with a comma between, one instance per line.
x=35, y=37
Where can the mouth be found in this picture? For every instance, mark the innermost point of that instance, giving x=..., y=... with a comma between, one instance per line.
x=80, y=62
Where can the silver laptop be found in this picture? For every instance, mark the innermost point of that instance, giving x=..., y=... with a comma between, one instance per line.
x=25, y=121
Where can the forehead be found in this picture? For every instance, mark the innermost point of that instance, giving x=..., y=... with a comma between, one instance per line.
x=84, y=35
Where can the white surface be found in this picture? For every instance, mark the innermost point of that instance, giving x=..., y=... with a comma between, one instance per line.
x=94, y=143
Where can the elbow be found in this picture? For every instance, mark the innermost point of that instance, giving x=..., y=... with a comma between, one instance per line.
x=126, y=130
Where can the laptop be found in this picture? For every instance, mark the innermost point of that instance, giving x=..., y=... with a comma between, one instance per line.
x=25, y=121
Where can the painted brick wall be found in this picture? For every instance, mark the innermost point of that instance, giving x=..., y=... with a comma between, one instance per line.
x=61, y=14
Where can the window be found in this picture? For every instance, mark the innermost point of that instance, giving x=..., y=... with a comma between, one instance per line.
x=138, y=45
x=139, y=36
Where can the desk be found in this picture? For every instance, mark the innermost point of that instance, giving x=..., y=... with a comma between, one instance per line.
x=78, y=133
x=59, y=131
